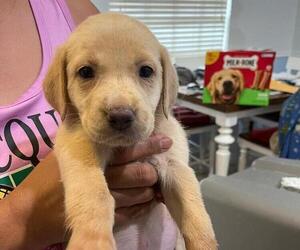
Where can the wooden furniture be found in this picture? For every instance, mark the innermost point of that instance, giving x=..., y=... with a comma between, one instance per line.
x=226, y=117
x=257, y=140
x=195, y=123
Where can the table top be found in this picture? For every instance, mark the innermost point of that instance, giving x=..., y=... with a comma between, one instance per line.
x=226, y=108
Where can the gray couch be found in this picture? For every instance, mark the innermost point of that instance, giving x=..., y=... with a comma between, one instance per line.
x=250, y=211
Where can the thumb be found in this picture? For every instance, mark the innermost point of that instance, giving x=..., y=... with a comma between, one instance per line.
x=155, y=144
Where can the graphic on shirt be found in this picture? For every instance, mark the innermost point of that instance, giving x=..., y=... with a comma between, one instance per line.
x=23, y=143
x=12, y=179
x=5, y=190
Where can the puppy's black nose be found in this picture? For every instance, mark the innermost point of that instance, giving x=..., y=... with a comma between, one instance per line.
x=120, y=118
x=228, y=87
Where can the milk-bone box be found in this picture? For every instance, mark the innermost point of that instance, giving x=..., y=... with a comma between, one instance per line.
x=238, y=77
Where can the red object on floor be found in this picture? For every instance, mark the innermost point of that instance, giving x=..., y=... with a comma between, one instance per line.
x=190, y=118
x=260, y=136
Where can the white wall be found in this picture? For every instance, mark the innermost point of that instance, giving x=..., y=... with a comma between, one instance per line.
x=263, y=24
x=296, y=39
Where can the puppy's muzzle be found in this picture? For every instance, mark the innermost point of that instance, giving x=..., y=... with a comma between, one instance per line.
x=228, y=87
x=120, y=118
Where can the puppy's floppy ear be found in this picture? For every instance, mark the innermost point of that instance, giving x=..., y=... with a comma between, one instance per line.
x=55, y=83
x=169, y=81
x=241, y=80
x=211, y=87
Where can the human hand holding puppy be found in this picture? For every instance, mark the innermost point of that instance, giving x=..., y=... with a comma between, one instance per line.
x=131, y=180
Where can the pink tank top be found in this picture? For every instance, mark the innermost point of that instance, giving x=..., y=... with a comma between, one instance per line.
x=28, y=128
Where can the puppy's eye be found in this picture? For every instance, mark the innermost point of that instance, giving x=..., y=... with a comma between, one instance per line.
x=86, y=72
x=220, y=78
x=146, y=72
x=234, y=76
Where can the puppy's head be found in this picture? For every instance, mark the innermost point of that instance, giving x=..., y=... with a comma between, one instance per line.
x=225, y=85
x=113, y=78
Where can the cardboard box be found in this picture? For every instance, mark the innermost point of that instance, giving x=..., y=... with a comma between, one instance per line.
x=238, y=77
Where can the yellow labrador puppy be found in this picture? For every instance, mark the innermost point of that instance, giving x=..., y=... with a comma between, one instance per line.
x=114, y=85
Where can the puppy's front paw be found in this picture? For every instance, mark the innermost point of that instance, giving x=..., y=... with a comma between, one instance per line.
x=208, y=243
x=203, y=242
x=200, y=237
x=90, y=242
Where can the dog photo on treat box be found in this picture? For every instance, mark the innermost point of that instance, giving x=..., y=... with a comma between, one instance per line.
x=238, y=77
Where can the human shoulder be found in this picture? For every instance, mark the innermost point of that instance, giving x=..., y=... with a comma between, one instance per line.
x=81, y=9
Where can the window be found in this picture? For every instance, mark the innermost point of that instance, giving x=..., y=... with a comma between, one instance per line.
x=184, y=27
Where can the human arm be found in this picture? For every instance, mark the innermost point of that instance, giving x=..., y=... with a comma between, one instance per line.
x=81, y=9
x=35, y=213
